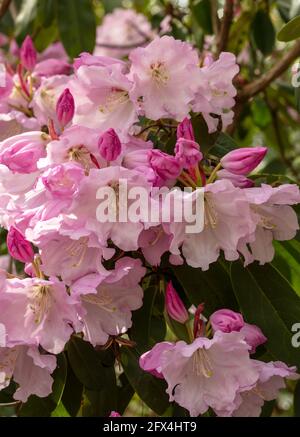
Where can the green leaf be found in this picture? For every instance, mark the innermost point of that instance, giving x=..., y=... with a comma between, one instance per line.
x=72, y=395
x=297, y=400
x=260, y=113
x=178, y=329
x=263, y=32
x=149, y=388
x=99, y=403
x=45, y=37
x=290, y=30
x=212, y=287
x=268, y=300
x=60, y=411
x=125, y=393
x=201, y=11
x=141, y=320
x=77, y=26
x=287, y=260
x=223, y=145
x=46, y=12
x=87, y=364
x=25, y=18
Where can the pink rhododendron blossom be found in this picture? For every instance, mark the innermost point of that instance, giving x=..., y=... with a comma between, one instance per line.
x=21, y=153
x=215, y=93
x=165, y=76
x=107, y=304
x=48, y=314
x=274, y=218
x=227, y=219
x=237, y=180
x=123, y=27
x=150, y=361
x=271, y=379
x=253, y=336
x=195, y=372
x=30, y=369
x=102, y=98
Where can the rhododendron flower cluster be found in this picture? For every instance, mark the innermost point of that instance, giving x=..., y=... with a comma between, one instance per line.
x=85, y=126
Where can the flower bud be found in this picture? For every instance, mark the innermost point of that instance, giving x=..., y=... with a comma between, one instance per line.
x=114, y=414
x=20, y=153
x=164, y=165
x=185, y=130
x=18, y=247
x=237, y=180
x=253, y=336
x=174, y=305
x=226, y=321
x=187, y=153
x=65, y=107
x=109, y=145
x=243, y=161
x=28, y=54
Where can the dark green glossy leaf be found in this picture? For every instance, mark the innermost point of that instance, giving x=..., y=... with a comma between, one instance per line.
x=125, y=393
x=201, y=11
x=87, y=364
x=150, y=389
x=290, y=30
x=77, y=26
x=25, y=18
x=223, y=145
x=268, y=300
x=46, y=12
x=263, y=32
x=72, y=395
x=212, y=287
x=297, y=400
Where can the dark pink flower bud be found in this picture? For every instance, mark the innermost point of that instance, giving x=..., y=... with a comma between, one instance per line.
x=187, y=153
x=243, y=161
x=28, y=54
x=65, y=107
x=114, y=414
x=175, y=306
x=237, y=180
x=226, y=321
x=18, y=247
x=109, y=145
x=164, y=165
x=253, y=336
x=185, y=130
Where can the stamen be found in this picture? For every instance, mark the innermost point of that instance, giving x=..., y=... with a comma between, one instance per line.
x=102, y=300
x=159, y=73
x=210, y=213
x=40, y=301
x=202, y=364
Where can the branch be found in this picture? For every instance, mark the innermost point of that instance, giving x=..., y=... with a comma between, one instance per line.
x=122, y=46
x=223, y=35
x=260, y=84
x=4, y=5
